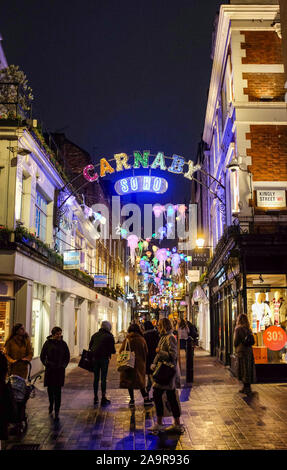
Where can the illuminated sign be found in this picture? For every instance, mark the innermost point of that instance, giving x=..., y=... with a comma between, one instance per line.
x=271, y=198
x=274, y=338
x=141, y=160
x=136, y=184
x=72, y=260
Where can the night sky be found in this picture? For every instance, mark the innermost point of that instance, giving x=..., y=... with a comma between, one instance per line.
x=116, y=75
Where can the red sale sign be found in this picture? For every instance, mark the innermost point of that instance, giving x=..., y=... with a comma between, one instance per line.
x=274, y=338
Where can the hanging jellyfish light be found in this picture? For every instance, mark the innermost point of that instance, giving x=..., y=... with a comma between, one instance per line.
x=175, y=262
x=142, y=264
x=168, y=270
x=162, y=232
x=132, y=244
x=154, y=248
x=157, y=210
x=145, y=244
x=161, y=255
x=181, y=210
x=140, y=247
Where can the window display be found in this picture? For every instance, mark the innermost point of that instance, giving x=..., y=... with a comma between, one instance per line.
x=267, y=313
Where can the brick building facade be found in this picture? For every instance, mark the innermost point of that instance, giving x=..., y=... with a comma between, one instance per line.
x=245, y=152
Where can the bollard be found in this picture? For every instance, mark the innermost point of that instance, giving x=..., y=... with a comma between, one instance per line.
x=189, y=360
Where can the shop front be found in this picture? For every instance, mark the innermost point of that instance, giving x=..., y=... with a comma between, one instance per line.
x=254, y=283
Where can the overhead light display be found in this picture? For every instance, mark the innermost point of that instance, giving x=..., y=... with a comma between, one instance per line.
x=136, y=184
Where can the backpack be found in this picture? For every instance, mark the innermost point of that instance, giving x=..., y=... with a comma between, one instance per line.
x=249, y=339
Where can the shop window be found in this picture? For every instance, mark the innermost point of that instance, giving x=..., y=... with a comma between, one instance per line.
x=39, y=318
x=267, y=314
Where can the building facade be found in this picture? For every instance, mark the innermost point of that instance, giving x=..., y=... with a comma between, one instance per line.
x=43, y=217
x=242, y=195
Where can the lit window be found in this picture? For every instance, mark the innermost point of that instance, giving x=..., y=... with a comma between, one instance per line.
x=41, y=216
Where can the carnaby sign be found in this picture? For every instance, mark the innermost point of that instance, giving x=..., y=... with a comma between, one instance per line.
x=177, y=165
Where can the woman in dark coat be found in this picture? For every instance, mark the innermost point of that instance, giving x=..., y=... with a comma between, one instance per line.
x=151, y=335
x=166, y=351
x=244, y=353
x=55, y=356
x=135, y=377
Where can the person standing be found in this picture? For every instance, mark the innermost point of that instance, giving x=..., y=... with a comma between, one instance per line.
x=18, y=351
x=166, y=351
x=183, y=332
x=134, y=378
x=55, y=356
x=245, y=360
x=151, y=335
x=102, y=344
x=6, y=400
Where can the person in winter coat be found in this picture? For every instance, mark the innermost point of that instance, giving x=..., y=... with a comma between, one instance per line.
x=135, y=377
x=55, y=356
x=6, y=399
x=18, y=351
x=244, y=353
x=102, y=344
x=151, y=335
x=166, y=351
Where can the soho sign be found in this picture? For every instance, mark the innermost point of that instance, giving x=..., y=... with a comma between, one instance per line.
x=141, y=184
x=141, y=160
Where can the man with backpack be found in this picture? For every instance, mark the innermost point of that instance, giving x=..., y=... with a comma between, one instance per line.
x=102, y=345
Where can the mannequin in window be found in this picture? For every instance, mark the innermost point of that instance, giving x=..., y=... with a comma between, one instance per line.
x=261, y=314
x=278, y=308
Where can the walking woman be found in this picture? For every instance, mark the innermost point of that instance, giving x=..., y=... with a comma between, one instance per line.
x=244, y=353
x=55, y=356
x=166, y=351
x=135, y=377
x=18, y=351
x=151, y=335
x=183, y=332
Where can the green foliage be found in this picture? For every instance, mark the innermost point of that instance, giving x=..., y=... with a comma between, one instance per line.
x=15, y=94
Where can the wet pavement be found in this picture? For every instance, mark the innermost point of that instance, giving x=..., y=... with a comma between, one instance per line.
x=215, y=415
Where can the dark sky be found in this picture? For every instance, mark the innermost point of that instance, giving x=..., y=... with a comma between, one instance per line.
x=116, y=75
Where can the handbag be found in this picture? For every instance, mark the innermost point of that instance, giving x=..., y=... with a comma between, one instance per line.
x=164, y=372
x=249, y=340
x=87, y=361
x=126, y=358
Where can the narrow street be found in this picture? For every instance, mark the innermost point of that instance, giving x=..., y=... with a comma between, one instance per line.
x=215, y=415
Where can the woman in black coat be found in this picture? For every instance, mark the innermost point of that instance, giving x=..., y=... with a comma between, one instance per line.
x=55, y=356
x=151, y=335
x=245, y=360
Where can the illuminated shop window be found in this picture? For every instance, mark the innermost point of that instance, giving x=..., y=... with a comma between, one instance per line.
x=267, y=314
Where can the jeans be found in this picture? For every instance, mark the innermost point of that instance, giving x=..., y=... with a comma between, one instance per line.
x=171, y=397
x=101, y=369
x=54, y=393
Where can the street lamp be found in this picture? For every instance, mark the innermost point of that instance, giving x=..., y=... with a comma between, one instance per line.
x=200, y=242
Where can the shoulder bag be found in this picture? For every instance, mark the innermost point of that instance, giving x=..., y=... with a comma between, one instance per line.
x=126, y=358
x=87, y=361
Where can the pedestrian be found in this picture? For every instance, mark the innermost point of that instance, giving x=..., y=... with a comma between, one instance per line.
x=193, y=332
x=166, y=351
x=151, y=335
x=18, y=351
x=55, y=356
x=6, y=400
x=183, y=332
x=134, y=378
x=245, y=360
x=102, y=344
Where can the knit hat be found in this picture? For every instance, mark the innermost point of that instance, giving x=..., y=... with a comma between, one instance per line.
x=106, y=325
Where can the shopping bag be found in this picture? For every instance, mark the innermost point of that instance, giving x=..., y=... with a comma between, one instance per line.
x=126, y=358
x=87, y=361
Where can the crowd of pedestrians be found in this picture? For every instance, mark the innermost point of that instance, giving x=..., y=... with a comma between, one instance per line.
x=155, y=347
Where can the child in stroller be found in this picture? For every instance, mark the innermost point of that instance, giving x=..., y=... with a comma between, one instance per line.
x=22, y=390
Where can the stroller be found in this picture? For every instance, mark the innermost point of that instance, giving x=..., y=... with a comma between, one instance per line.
x=22, y=390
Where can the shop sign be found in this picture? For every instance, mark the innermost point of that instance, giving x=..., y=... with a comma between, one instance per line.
x=100, y=280
x=72, y=260
x=193, y=275
x=274, y=338
x=222, y=279
x=271, y=198
x=200, y=256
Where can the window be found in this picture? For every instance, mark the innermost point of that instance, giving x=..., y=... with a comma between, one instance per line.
x=39, y=318
x=41, y=216
x=267, y=314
